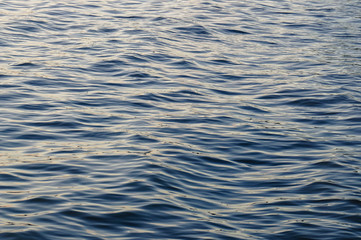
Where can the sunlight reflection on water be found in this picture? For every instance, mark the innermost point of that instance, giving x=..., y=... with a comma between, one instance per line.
x=180, y=119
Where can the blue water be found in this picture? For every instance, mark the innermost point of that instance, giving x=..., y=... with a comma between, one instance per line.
x=180, y=119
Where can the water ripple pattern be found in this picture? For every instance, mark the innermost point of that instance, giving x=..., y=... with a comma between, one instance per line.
x=180, y=119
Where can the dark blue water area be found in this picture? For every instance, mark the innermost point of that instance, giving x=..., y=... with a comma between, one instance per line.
x=186, y=119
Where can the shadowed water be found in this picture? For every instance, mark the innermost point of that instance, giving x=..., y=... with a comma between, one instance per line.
x=180, y=119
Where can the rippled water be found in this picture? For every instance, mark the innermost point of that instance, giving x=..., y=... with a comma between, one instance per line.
x=180, y=119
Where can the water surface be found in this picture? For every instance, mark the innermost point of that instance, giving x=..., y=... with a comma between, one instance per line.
x=186, y=119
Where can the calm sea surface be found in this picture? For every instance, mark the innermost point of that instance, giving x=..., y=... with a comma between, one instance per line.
x=180, y=119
